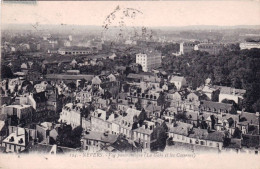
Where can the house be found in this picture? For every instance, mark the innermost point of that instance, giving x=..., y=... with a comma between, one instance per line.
x=217, y=108
x=123, y=145
x=17, y=141
x=99, y=121
x=32, y=133
x=186, y=133
x=129, y=120
x=178, y=81
x=230, y=93
x=71, y=115
x=43, y=130
x=84, y=96
x=211, y=91
x=149, y=135
x=209, y=139
x=193, y=100
x=93, y=141
x=179, y=131
x=24, y=113
x=153, y=110
x=249, y=122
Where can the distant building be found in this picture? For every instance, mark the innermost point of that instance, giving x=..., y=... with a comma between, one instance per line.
x=211, y=48
x=187, y=47
x=150, y=59
x=75, y=51
x=249, y=45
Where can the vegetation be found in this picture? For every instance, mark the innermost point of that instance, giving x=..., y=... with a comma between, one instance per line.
x=239, y=69
x=69, y=138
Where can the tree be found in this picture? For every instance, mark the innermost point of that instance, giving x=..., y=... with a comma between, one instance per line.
x=237, y=133
x=107, y=95
x=69, y=138
x=6, y=72
x=161, y=100
x=82, y=83
x=181, y=117
x=126, y=87
x=72, y=86
x=138, y=104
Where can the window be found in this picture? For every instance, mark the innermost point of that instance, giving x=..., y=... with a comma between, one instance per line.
x=191, y=141
x=210, y=144
x=201, y=142
x=145, y=137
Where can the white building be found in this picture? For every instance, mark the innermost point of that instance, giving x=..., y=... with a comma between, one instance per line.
x=231, y=94
x=149, y=60
x=249, y=45
x=71, y=115
x=178, y=81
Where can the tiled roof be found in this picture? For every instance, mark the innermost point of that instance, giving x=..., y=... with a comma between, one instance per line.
x=216, y=136
x=69, y=77
x=144, y=131
x=98, y=136
x=176, y=78
x=216, y=105
x=180, y=128
x=251, y=118
x=233, y=91
x=131, y=113
x=199, y=133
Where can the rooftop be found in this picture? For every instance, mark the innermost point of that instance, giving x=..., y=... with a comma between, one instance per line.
x=98, y=136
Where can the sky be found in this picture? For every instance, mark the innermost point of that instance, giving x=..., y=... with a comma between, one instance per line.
x=153, y=13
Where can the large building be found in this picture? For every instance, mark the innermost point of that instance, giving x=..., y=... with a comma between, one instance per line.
x=149, y=59
x=187, y=47
x=211, y=48
x=230, y=93
x=249, y=45
x=75, y=50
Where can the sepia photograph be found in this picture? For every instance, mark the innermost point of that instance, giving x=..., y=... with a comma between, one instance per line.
x=130, y=84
